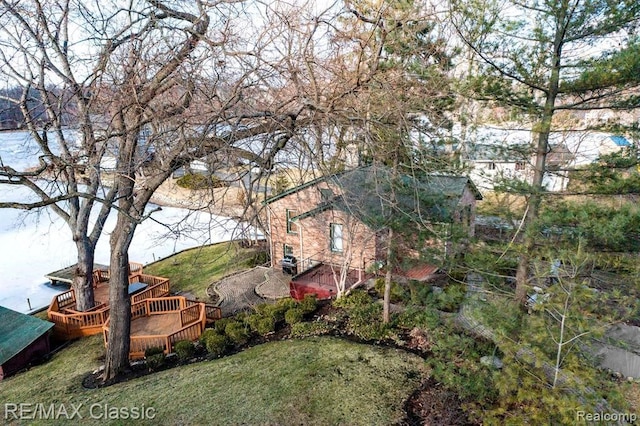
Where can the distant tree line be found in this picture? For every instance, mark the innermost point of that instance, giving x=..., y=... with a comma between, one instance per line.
x=12, y=117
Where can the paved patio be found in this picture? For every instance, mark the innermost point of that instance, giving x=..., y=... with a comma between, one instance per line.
x=249, y=288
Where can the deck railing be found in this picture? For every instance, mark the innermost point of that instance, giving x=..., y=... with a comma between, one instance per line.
x=212, y=312
x=135, y=268
x=102, y=275
x=63, y=300
x=193, y=319
x=190, y=314
x=328, y=274
x=71, y=324
x=158, y=287
x=309, y=262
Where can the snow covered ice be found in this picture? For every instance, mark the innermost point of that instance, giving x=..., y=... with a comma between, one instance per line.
x=33, y=244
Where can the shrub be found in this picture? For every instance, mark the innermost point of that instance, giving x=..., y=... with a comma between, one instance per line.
x=308, y=329
x=420, y=292
x=366, y=322
x=455, y=361
x=451, y=298
x=261, y=324
x=294, y=315
x=376, y=330
x=154, y=357
x=277, y=310
x=237, y=332
x=286, y=303
x=265, y=325
x=366, y=314
x=253, y=320
x=206, y=333
x=221, y=324
x=153, y=351
x=424, y=318
x=216, y=344
x=271, y=310
x=260, y=258
x=397, y=295
x=309, y=304
x=280, y=308
x=198, y=181
x=184, y=349
x=356, y=298
x=280, y=183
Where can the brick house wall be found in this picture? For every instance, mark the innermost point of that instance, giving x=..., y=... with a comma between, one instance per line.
x=310, y=237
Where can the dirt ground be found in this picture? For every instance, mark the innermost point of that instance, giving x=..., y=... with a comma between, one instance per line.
x=221, y=201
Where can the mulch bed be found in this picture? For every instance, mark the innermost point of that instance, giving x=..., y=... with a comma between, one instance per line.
x=432, y=404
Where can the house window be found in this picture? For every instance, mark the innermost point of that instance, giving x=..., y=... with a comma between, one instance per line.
x=291, y=227
x=520, y=165
x=287, y=249
x=335, y=235
x=326, y=194
x=491, y=166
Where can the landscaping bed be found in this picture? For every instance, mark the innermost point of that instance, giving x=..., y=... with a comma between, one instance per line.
x=355, y=319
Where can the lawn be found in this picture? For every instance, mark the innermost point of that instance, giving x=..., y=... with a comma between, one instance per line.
x=312, y=381
x=195, y=269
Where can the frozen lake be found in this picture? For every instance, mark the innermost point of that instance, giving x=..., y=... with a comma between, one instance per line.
x=33, y=244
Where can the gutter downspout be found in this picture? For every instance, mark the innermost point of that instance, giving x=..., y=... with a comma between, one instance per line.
x=301, y=248
x=271, y=254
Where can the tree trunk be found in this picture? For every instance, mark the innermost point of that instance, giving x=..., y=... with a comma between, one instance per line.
x=83, y=275
x=542, y=147
x=117, y=358
x=386, y=305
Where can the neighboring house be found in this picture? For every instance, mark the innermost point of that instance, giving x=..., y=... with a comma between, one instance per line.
x=24, y=339
x=495, y=163
x=497, y=154
x=338, y=223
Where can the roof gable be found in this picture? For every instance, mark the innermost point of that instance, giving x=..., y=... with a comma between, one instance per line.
x=298, y=188
x=17, y=331
x=429, y=197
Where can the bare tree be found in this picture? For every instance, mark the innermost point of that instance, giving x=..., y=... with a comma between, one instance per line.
x=160, y=83
x=50, y=86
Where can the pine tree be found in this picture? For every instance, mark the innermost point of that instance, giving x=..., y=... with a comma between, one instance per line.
x=542, y=58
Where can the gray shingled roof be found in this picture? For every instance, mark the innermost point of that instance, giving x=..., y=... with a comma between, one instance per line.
x=368, y=191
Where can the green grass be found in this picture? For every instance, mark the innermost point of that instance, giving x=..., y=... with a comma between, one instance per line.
x=313, y=381
x=195, y=269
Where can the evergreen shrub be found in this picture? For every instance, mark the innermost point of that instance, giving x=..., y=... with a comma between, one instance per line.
x=184, y=349
x=293, y=315
x=237, y=332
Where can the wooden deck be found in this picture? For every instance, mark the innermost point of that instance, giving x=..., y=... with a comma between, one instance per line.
x=161, y=322
x=321, y=281
x=71, y=324
x=64, y=276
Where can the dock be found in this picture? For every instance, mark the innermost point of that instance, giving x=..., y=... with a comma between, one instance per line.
x=64, y=276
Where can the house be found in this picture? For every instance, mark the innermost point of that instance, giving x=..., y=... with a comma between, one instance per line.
x=497, y=154
x=24, y=339
x=335, y=228
x=493, y=163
